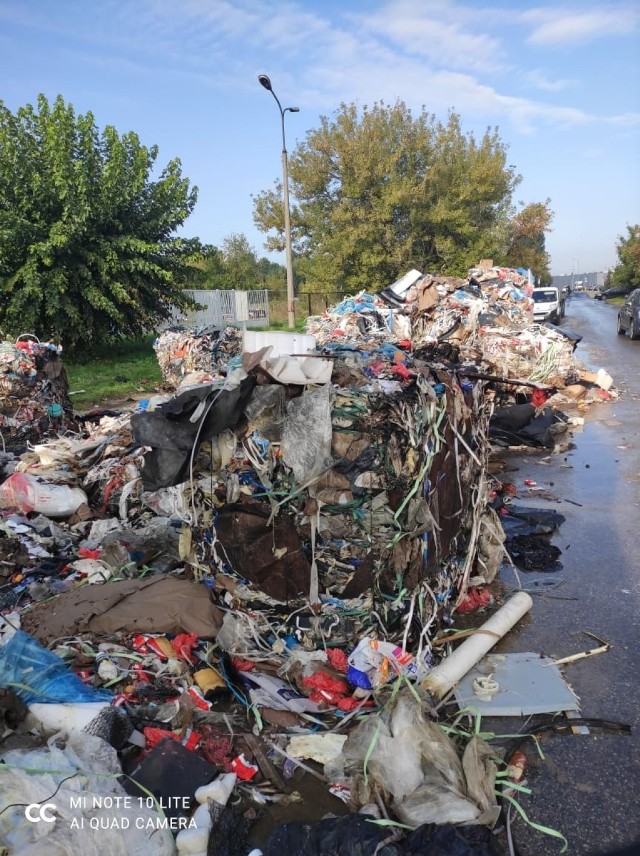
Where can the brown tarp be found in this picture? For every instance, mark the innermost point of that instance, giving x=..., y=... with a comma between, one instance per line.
x=152, y=605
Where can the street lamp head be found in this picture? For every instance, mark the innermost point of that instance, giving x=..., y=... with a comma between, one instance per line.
x=264, y=81
x=293, y=109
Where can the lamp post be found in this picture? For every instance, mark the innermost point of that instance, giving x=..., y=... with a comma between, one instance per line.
x=291, y=313
x=577, y=261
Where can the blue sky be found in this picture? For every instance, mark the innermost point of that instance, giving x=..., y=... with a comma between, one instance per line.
x=561, y=81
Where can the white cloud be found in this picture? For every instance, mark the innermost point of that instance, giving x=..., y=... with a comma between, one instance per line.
x=439, y=54
x=540, y=80
x=431, y=31
x=555, y=26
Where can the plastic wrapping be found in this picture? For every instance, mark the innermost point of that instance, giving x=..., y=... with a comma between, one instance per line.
x=415, y=761
x=27, y=493
x=84, y=804
x=37, y=675
x=374, y=662
x=307, y=434
x=266, y=411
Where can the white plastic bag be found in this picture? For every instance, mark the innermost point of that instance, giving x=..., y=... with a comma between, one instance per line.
x=93, y=815
x=27, y=493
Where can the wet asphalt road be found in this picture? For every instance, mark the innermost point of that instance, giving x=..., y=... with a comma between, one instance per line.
x=588, y=786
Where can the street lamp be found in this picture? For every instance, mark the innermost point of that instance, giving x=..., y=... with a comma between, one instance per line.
x=291, y=314
x=577, y=261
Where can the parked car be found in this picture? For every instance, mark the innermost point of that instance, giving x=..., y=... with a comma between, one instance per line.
x=629, y=316
x=611, y=292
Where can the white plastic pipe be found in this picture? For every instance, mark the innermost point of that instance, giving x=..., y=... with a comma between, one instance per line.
x=454, y=667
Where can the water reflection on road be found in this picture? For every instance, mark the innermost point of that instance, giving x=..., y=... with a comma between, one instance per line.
x=588, y=785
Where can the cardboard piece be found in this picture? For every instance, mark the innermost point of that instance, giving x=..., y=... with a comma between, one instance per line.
x=428, y=298
x=600, y=378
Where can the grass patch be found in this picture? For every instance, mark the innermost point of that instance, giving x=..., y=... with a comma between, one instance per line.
x=128, y=368
x=281, y=326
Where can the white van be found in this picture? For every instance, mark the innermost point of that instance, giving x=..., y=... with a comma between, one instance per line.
x=548, y=305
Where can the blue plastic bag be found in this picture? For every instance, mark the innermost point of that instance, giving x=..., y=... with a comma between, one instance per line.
x=36, y=674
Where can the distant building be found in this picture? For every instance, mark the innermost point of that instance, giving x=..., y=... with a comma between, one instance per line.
x=595, y=279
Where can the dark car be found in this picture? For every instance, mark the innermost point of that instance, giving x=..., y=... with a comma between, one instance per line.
x=629, y=316
x=612, y=292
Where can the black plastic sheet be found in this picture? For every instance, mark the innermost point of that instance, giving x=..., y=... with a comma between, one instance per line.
x=359, y=835
x=174, y=428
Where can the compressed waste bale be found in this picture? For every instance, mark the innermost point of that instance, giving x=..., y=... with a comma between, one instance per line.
x=34, y=392
x=182, y=352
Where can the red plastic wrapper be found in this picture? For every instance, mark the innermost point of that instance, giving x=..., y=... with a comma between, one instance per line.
x=326, y=697
x=476, y=598
x=323, y=681
x=326, y=688
x=183, y=644
x=350, y=703
x=242, y=665
x=400, y=370
x=139, y=643
x=153, y=736
x=338, y=659
x=86, y=553
x=243, y=769
x=140, y=674
x=539, y=397
x=198, y=699
x=85, y=675
x=158, y=645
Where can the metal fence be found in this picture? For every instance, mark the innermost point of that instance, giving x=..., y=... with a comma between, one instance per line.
x=306, y=304
x=225, y=307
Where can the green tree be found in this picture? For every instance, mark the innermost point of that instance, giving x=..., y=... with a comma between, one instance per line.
x=205, y=267
x=626, y=274
x=241, y=269
x=526, y=240
x=87, y=246
x=378, y=191
x=235, y=266
x=273, y=275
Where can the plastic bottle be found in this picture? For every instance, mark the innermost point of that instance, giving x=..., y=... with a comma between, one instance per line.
x=26, y=493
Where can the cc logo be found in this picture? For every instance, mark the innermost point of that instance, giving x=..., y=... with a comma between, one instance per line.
x=36, y=812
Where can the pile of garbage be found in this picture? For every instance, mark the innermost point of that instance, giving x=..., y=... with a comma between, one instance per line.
x=34, y=392
x=250, y=584
x=194, y=356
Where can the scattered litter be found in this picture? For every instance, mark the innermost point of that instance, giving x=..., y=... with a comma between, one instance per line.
x=572, y=658
x=257, y=573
